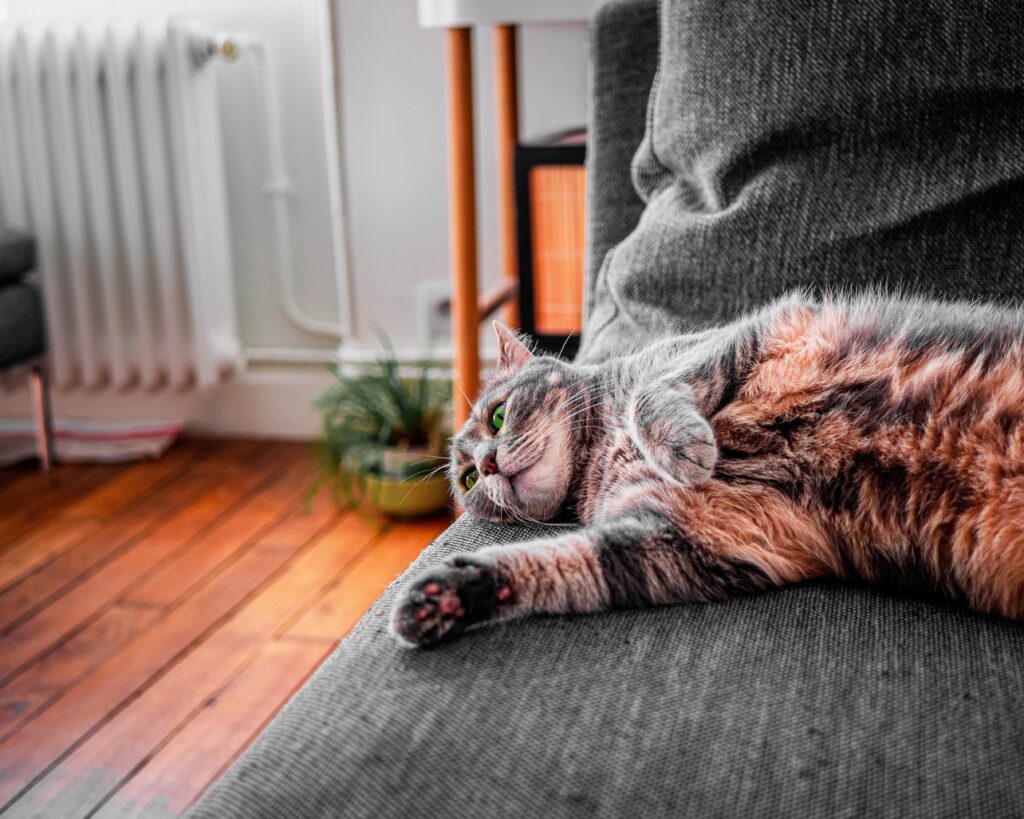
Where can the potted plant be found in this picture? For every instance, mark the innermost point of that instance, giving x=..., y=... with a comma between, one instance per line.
x=384, y=433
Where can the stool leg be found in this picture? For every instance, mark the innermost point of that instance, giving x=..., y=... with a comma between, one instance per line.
x=462, y=215
x=506, y=97
x=40, y=389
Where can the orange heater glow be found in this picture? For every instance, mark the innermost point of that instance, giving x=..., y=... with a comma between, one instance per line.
x=551, y=197
x=557, y=196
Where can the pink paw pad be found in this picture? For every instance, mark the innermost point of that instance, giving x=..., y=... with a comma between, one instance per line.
x=432, y=588
x=504, y=594
x=422, y=613
x=449, y=604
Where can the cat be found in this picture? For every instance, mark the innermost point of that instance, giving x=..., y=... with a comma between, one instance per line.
x=859, y=437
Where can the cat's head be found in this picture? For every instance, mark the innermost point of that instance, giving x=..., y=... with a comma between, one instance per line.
x=514, y=459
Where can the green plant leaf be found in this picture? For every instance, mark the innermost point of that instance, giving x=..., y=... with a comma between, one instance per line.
x=374, y=407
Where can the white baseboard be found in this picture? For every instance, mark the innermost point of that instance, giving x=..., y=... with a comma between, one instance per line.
x=271, y=402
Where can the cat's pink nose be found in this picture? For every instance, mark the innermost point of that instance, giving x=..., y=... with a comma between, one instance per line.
x=489, y=465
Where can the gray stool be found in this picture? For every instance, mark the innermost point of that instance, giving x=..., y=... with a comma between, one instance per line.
x=23, y=332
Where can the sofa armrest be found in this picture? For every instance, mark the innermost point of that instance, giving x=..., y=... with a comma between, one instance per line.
x=623, y=62
x=17, y=255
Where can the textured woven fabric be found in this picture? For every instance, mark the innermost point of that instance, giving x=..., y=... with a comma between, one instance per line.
x=623, y=62
x=815, y=701
x=821, y=142
x=788, y=143
x=17, y=255
x=22, y=335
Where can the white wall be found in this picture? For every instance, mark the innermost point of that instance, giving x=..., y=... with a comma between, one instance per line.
x=394, y=184
x=393, y=119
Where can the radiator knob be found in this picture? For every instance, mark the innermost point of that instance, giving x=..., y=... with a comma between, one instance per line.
x=227, y=48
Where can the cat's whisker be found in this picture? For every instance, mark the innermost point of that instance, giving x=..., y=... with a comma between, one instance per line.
x=430, y=474
x=564, y=343
x=468, y=401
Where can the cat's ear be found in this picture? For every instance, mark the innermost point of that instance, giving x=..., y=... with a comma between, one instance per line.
x=513, y=352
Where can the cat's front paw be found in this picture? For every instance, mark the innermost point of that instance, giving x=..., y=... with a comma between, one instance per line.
x=445, y=600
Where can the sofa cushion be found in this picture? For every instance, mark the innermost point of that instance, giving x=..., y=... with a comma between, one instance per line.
x=623, y=62
x=22, y=333
x=816, y=701
x=17, y=255
x=816, y=144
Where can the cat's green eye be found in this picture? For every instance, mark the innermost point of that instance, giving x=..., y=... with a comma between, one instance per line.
x=498, y=418
x=470, y=478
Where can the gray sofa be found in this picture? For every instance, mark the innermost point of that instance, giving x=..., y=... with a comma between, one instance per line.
x=823, y=700
x=22, y=334
x=23, y=330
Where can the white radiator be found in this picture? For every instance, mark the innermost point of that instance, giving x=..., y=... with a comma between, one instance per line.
x=111, y=155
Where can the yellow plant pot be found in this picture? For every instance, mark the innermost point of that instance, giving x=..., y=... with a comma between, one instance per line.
x=408, y=498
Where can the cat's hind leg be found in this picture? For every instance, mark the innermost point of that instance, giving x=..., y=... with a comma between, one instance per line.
x=665, y=424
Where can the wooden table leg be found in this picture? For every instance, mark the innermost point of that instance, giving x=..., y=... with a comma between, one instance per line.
x=506, y=106
x=462, y=220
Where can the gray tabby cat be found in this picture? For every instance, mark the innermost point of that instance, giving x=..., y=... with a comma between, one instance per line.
x=873, y=438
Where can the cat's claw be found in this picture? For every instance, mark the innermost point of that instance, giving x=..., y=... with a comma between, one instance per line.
x=444, y=601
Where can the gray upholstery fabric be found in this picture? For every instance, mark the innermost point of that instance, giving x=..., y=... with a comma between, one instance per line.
x=816, y=701
x=22, y=333
x=789, y=143
x=17, y=255
x=821, y=142
x=623, y=62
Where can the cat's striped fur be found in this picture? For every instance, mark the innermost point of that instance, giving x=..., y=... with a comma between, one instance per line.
x=872, y=438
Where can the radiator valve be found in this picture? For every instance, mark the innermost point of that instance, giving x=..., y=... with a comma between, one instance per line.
x=227, y=48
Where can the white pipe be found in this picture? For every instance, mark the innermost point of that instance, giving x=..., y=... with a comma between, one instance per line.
x=345, y=355
x=290, y=355
x=333, y=127
x=277, y=186
x=352, y=360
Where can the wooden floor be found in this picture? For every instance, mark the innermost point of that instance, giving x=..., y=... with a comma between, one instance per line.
x=154, y=617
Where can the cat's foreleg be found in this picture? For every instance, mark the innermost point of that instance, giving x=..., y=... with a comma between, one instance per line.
x=557, y=575
x=640, y=558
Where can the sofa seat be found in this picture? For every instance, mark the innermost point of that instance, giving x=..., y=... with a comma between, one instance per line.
x=22, y=333
x=17, y=255
x=823, y=700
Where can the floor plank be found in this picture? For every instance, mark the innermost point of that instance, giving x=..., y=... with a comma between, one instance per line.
x=176, y=578
x=41, y=545
x=115, y=534
x=39, y=495
x=136, y=481
x=73, y=610
x=154, y=617
x=46, y=679
x=346, y=601
x=182, y=769
x=24, y=694
x=55, y=490
x=87, y=775
x=45, y=738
